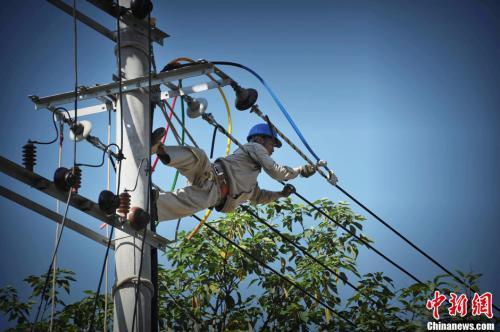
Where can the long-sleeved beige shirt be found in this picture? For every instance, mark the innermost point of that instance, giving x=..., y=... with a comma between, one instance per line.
x=242, y=169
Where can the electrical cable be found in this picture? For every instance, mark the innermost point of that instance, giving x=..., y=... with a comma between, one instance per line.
x=63, y=222
x=282, y=276
x=213, y=143
x=228, y=146
x=108, y=233
x=55, y=138
x=210, y=119
x=299, y=247
x=292, y=123
x=273, y=95
x=169, y=121
x=167, y=127
x=103, y=157
x=120, y=100
x=54, y=268
x=221, y=92
x=58, y=242
x=148, y=194
x=183, y=137
x=182, y=124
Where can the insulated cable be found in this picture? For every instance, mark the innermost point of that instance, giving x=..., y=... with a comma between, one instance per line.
x=63, y=222
x=292, y=123
x=258, y=112
x=301, y=249
x=210, y=119
x=228, y=146
x=103, y=157
x=282, y=276
x=58, y=242
x=54, y=268
x=148, y=194
x=167, y=127
x=202, y=221
x=183, y=137
x=276, y=99
x=120, y=100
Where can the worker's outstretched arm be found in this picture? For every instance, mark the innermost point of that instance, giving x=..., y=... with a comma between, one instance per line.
x=261, y=196
x=276, y=171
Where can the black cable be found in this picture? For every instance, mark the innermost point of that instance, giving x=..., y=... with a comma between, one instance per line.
x=63, y=222
x=305, y=252
x=75, y=66
x=209, y=118
x=103, y=157
x=103, y=269
x=44, y=289
x=246, y=252
x=120, y=99
x=302, y=249
x=404, y=238
x=148, y=195
x=51, y=141
x=213, y=143
x=360, y=238
x=401, y=236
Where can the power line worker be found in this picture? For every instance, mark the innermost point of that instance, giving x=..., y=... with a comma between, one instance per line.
x=229, y=181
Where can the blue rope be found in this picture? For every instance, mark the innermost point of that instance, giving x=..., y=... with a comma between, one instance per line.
x=278, y=102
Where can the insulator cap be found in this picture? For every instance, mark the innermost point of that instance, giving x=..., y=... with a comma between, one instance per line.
x=108, y=202
x=138, y=218
x=60, y=179
x=245, y=98
x=65, y=179
x=141, y=8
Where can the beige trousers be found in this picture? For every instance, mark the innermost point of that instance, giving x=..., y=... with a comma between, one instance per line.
x=202, y=192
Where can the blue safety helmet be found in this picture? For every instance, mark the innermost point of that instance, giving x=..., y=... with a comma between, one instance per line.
x=263, y=129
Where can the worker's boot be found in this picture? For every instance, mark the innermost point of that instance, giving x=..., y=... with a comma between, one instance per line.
x=157, y=147
x=156, y=137
x=162, y=154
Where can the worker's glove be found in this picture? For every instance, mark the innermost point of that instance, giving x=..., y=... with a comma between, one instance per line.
x=288, y=189
x=307, y=170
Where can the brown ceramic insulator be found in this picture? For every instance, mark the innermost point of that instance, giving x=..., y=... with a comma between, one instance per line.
x=124, y=204
x=29, y=156
x=75, y=178
x=138, y=218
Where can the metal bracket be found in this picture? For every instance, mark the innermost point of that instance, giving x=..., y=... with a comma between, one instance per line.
x=184, y=91
x=85, y=93
x=79, y=202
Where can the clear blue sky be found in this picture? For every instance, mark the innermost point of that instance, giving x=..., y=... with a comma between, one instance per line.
x=400, y=97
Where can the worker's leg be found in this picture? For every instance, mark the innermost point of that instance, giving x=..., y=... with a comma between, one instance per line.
x=186, y=201
x=191, y=162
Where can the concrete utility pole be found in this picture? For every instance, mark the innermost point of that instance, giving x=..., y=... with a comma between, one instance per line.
x=136, y=126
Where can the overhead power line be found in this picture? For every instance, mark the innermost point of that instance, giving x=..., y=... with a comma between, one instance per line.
x=282, y=276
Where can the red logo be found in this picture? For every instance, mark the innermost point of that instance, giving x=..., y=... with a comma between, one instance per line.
x=458, y=305
x=435, y=303
x=481, y=304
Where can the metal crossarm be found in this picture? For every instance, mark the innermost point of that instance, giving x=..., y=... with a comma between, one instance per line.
x=77, y=201
x=85, y=93
x=29, y=204
x=84, y=19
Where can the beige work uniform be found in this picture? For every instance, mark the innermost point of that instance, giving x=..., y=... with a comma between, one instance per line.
x=241, y=169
